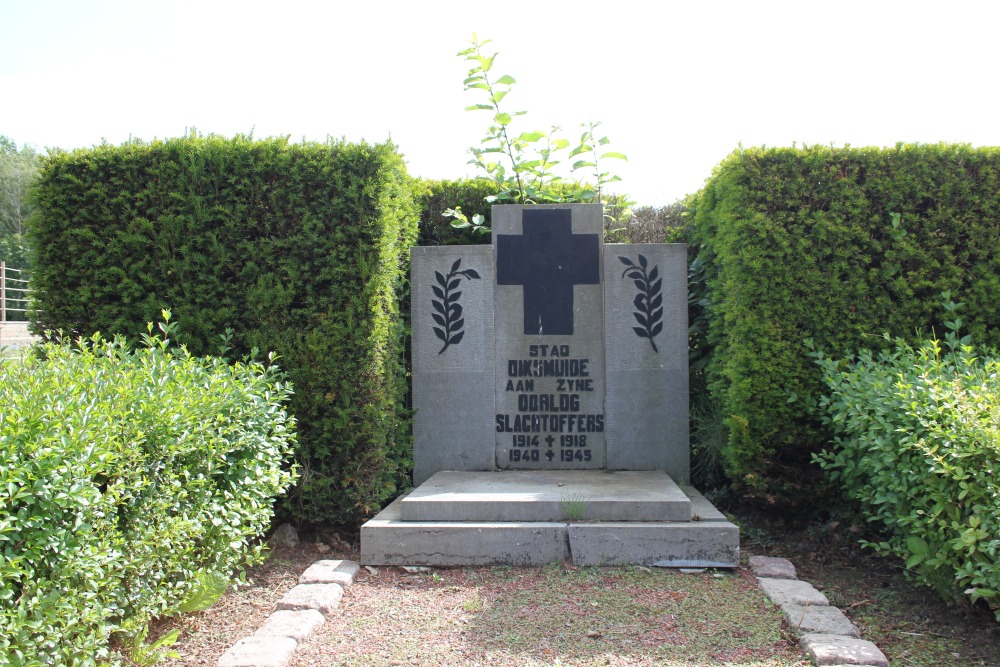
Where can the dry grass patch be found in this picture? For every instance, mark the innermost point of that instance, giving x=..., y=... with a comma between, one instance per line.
x=555, y=615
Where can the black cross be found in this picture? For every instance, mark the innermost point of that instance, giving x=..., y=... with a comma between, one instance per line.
x=548, y=259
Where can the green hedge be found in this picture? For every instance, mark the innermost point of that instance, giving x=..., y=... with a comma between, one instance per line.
x=470, y=195
x=298, y=248
x=435, y=197
x=918, y=446
x=127, y=481
x=806, y=243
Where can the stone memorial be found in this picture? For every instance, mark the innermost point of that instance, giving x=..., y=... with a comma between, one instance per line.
x=550, y=389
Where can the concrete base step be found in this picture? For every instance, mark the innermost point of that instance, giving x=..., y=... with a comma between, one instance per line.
x=547, y=495
x=705, y=539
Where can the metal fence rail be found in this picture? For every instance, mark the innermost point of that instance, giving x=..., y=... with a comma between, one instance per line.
x=14, y=293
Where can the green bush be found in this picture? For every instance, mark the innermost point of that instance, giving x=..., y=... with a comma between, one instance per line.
x=918, y=447
x=298, y=248
x=126, y=478
x=833, y=244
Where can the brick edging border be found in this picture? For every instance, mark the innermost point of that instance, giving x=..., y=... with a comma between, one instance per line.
x=298, y=614
x=826, y=635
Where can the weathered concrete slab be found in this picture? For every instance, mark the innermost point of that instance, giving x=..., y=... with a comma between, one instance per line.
x=701, y=509
x=288, y=623
x=709, y=541
x=773, y=568
x=690, y=544
x=324, y=598
x=387, y=540
x=819, y=619
x=837, y=650
x=647, y=365
x=330, y=572
x=259, y=652
x=547, y=495
x=787, y=591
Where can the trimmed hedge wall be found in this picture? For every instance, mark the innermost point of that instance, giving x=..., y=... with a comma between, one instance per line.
x=435, y=197
x=837, y=245
x=298, y=248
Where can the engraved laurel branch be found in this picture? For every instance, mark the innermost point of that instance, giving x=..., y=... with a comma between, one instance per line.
x=449, y=310
x=648, y=301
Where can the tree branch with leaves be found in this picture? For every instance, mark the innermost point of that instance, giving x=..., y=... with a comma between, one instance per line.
x=522, y=166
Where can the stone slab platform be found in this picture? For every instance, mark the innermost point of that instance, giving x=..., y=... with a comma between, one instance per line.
x=547, y=495
x=707, y=540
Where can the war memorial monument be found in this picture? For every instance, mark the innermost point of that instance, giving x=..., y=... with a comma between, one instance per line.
x=550, y=389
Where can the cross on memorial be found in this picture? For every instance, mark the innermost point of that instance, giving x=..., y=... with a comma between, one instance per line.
x=548, y=259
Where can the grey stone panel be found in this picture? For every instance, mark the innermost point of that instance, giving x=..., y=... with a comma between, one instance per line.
x=630, y=351
x=586, y=342
x=287, y=623
x=554, y=495
x=828, y=649
x=324, y=598
x=822, y=619
x=453, y=423
x=330, y=572
x=788, y=591
x=386, y=540
x=647, y=422
x=647, y=389
x=693, y=544
x=586, y=352
x=259, y=652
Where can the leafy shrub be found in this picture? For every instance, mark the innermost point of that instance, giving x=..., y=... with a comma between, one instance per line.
x=918, y=446
x=126, y=478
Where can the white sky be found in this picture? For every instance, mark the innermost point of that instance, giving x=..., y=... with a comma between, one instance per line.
x=677, y=85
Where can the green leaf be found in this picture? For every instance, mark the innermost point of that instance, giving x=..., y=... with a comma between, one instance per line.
x=502, y=118
x=485, y=62
x=506, y=80
x=618, y=156
x=477, y=107
x=208, y=589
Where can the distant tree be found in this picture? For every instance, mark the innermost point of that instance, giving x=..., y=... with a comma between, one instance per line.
x=17, y=170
